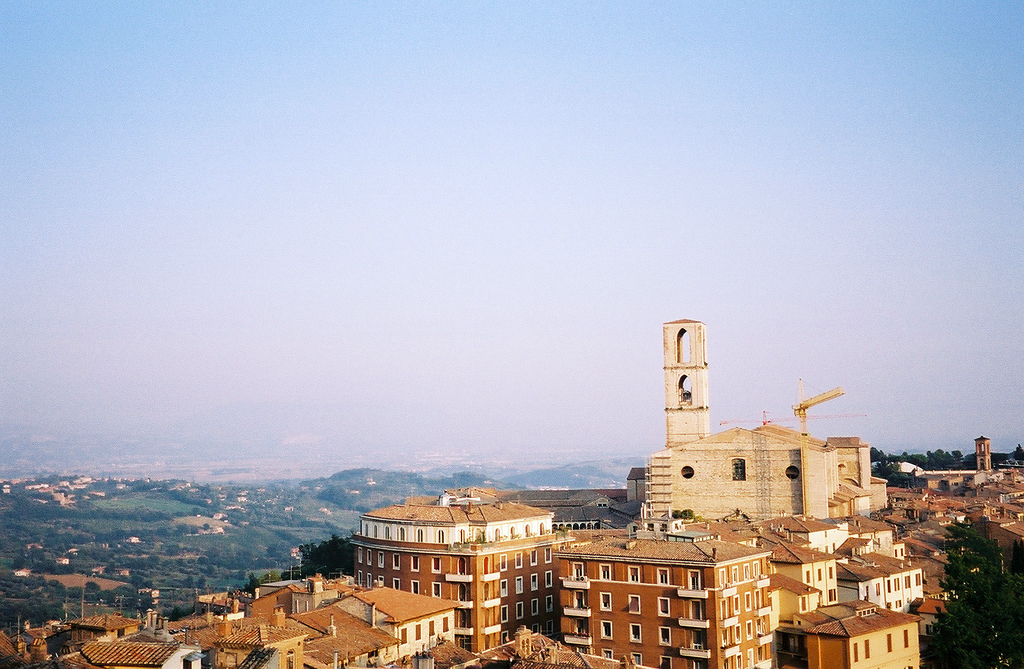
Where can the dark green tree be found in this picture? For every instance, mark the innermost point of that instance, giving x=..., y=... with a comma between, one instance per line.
x=983, y=627
x=333, y=556
x=1017, y=557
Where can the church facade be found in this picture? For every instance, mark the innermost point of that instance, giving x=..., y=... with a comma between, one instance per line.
x=766, y=472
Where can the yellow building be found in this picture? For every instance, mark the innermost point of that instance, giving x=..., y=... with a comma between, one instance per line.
x=859, y=634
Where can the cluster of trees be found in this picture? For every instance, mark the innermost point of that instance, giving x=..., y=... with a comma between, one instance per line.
x=983, y=627
x=887, y=466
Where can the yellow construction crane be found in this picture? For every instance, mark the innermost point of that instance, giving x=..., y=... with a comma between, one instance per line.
x=800, y=409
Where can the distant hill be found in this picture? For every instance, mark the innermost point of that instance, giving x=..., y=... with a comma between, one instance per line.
x=596, y=474
x=368, y=489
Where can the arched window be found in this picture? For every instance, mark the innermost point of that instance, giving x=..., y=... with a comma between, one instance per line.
x=739, y=469
x=387, y=531
x=462, y=536
x=440, y=536
x=462, y=566
x=375, y=531
x=683, y=346
x=685, y=394
x=401, y=534
x=419, y=535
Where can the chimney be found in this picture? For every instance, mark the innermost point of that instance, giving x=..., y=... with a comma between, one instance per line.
x=209, y=617
x=373, y=614
x=277, y=618
x=234, y=605
x=333, y=631
x=223, y=627
x=335, y=658
x=630, y=545
x=424, y=660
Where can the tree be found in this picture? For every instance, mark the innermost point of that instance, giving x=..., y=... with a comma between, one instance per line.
x=1017, y=557
x=1018, y=453
x=983, y=627
x=335, y=555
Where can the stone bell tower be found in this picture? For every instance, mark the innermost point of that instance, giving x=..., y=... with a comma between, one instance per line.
x=983, y=454
x=686, y=383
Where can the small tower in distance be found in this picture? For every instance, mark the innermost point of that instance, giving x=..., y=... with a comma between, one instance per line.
x=686, y=383
x=983, y=454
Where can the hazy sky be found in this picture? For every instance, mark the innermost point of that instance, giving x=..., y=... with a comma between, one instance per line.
x=380, y=228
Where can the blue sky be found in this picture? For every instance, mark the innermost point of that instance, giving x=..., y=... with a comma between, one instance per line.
x=456, y=228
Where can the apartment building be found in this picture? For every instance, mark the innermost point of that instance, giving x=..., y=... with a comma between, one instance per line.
x=672, y=604
x=495, y=558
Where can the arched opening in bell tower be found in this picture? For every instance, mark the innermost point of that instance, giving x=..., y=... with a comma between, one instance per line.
x=683, y=346
x=685, y=391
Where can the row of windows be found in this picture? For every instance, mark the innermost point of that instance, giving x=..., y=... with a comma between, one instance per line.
x=414, y=586
x=663, y=576
x=418, y=631
x=462, y=565
x=549, y=606
x=379, y=530
x=888, y=643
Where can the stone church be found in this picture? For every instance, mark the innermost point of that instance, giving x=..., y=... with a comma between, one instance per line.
x=761, y=473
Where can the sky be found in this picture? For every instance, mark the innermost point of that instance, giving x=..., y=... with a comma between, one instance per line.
x=386, y=231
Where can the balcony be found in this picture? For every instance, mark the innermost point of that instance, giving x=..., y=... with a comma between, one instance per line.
x=692, y=594
x=464, y=631
x=729, y=592
x=576, y=639
x=574, y=583
x=458, y=578
x=764, y=611
x=465, y=605
x=767, y=638
x=493, y=576
x=491, y=603
x=730, y=622
x=576, y=612
x=694, y=622
x=763, y=583
x=732, y=650
x=492, y=629
x=695, y=651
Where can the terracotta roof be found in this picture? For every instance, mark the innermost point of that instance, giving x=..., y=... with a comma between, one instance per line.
x=108, y=622
x=354, y=638
x=258, y=636
x=783, y=582
x=789, y=553
x=478, y=513
x=128, y=653
x=710, y=551
x=929, y=605
x=401, y=606
x=843, y=619
x=447, y=654
x=258, y=658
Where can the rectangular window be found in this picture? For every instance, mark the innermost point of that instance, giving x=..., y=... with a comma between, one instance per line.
x=665, y=636
x=665, y=662
x=634, y=632
x=414, y=587
x=746, y=601
x=606, y=572
x=533, y=557
x=380, y=559
x=735, y=574
x=606, y=601
x=419, y=632
x=856, y=658
x=503, y=587
x=878, y=588
x=637, y=658
x=503, y=562
x=750, y=630
x=830, y=571
x=663, y=576
x=663, y=606
x=519, y=560
x=396, y=583
x=444, y=624
x=519, y=585
x=606, y=629
x=695, y=580
x=437, y=589
x=547, y=555
x=519, y=610
x=906, y=581
x=359, y=555
x=369, y=580
x=867, y=648
x=607, y=653
x=746, y=572
x=547, y=579
x=906, y=638
x=534, y=581
x=534, y=606
x=435, y=565
x=396, y=561
x=504, y=613
x=415, y=562
x=917, y=578
x=721, y=577
x=888, y=642
x=405, y=635
x=549, y=603
x=380, y=581
x=634, y=574
x=819, y=573
x=634, y=603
